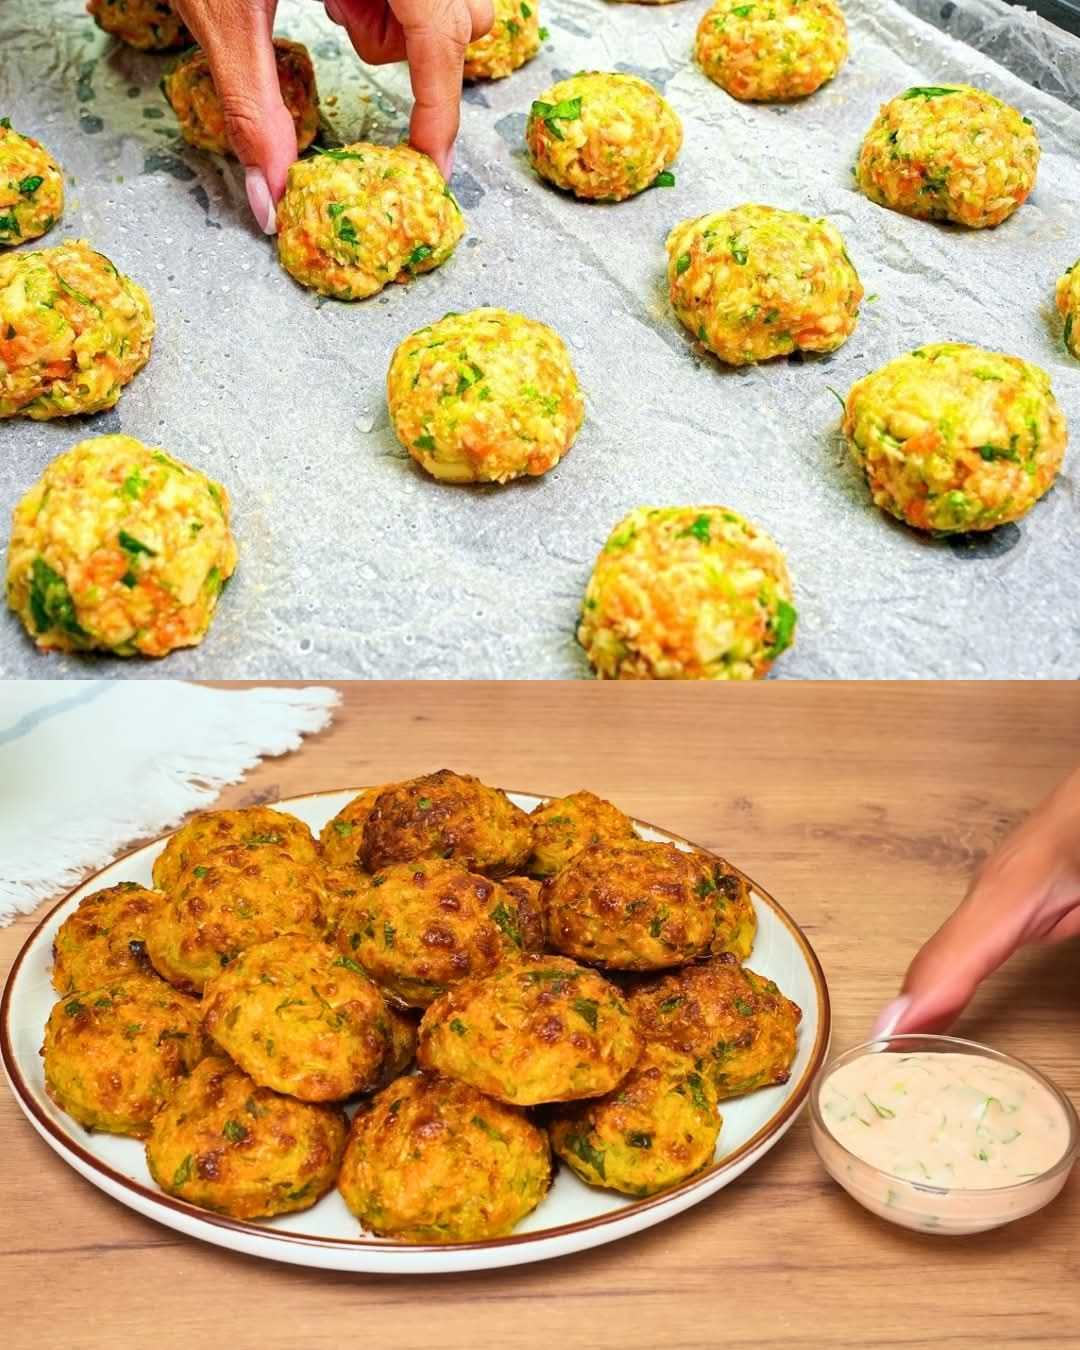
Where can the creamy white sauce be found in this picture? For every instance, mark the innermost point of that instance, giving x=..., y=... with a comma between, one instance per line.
x=954, y=1121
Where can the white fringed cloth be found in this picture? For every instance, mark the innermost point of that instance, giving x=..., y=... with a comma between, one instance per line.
x=87, y=769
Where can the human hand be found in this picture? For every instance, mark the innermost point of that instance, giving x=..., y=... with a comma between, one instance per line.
x=1027, y=891
x=237, y=37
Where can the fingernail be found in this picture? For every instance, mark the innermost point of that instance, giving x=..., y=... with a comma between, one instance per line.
x=889, y=1017
x=260, y=200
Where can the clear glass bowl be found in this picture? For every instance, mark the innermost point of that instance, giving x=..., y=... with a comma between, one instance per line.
x=952, y=1212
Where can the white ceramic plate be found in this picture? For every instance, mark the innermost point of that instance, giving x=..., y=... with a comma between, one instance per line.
x=573, y=1216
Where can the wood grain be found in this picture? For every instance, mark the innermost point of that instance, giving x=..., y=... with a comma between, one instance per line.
x=863, y=808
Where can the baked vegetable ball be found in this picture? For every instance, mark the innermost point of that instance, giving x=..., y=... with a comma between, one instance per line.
x=637, y=905
x=1067, y=299
x=189, y=88
x=115, y=1054
x=118, y=547
x=484, y=397
x=451, y=816
x=513, y=39
x=687, y=593
x=354, y=219
x=152, y=25
x=73, y=331
x=602, y=136
x=299, y=1019
x=737, y=1025
x=432, y=1160
x=563, y=826
x=421, y=926
x=771, y=52
x=657, y=1128
x=104, y=941
x=253, y=827
x=952, y=153
x=757, y=282
x=31, y=187
x=952, y=437
x=539, y=1029
x=224, y=1144
x=231, y=900
x=342, y=836
x=401, y=1046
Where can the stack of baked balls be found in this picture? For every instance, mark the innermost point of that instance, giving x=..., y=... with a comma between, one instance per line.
x=561, y=983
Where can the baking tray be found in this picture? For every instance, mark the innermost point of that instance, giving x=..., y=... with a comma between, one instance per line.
x=354, y=563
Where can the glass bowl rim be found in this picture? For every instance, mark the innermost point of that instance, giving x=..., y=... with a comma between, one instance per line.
x=877, y=1044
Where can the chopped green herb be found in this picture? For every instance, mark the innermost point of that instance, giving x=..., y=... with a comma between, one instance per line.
x=568, y=110
x=338, y=154
x=200, y=871
x=28, y=186
x=928, y=91
x=738, y=251
x=743, y=1008
x=419, y=253
x=183, y=1172
x=74, y=1008
x=344, y=828
x=697, y=1092
x=234, y=1131
x=350, y=964
x=134, y=546
x=783, y=628
x=699, y=529
x=526, y=12
x=388, y=934
x=544, y=34
x=488, y=1129
x=665, y=178
x=682, y=263
x=51, y=605
x=458, y=1027
x=638, y=1139
x=425, y=443
x=883, y=1111
x=423, y=804
x=587, y=1009
x=670, y=1004
x=592, y=1157
x=742, y=10
x=993, y=452
x=346, y=231
x=508, y=923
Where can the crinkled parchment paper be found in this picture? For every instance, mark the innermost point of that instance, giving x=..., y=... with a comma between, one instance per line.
x=353, y=562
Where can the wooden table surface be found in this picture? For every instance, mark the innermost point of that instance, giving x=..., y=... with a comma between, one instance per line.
x=863, y=808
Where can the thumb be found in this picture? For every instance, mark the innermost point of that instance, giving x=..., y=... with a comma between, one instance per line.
x=237, y=38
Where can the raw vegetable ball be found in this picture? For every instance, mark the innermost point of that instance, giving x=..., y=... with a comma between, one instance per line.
x=225, y=1144
x=514, y=38
x=433, y=1160
x=1067, y=298
x=738, y=1025
x=73, y=331
x=768, y=52
x=602, y=136
x=757, y=282
x=151, y=25
x=354, y=219
x=299, y=1019
x=949, y=153
x=952, y=437
x=189, y=88
x=687, y=593
x=119, y=547
x=484, y=397
x=31, y=187
x=659, y=1127
x=639, y=905
x=539, y=1029
x=105, y=939
x=115, y=1054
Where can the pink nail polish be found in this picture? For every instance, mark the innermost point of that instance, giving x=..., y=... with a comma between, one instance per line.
x=889, y=1017
x=260, y=200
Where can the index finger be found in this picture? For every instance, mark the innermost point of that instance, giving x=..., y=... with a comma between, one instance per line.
x=435, y=43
